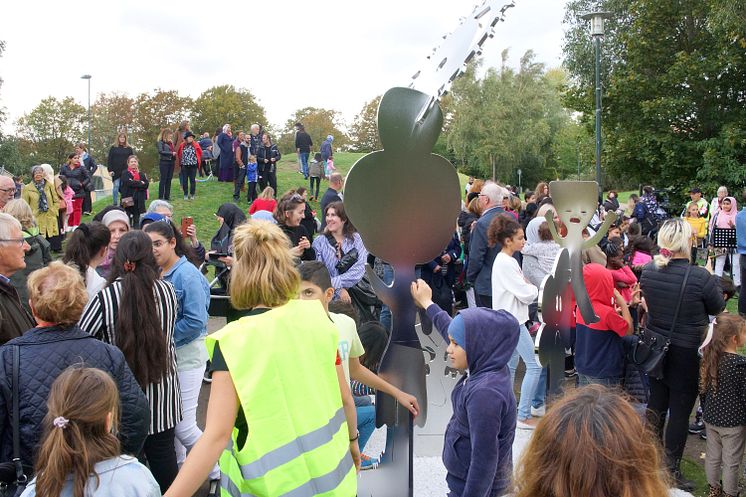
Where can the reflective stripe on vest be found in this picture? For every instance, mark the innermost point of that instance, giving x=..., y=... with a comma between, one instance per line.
x=281, y=364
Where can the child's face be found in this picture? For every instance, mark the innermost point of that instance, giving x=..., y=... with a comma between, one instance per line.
x=457, y=355
x=615, y=231
x=309, y=291
x=726, y=205
x=693, y=211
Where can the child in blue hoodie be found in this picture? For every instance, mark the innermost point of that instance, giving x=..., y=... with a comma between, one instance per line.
x=252, y=176
x=478, y=448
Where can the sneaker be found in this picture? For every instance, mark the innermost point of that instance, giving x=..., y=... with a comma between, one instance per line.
x=186, y=197
x=697, y=427
x=367, y=462
x=703, y=434
x=538, y=412
x=207, y=377
x=527, y=424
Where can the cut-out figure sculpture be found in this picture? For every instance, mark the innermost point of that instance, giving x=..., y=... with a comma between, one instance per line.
x=403, y=201
x=575, y=203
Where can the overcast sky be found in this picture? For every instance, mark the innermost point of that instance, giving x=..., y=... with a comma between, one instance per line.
x=289, y=54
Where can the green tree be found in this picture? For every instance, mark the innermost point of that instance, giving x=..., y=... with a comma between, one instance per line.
x=112, y=113
x=319, y=123
x=364, y=131
x=225, y=104
x=53, y=127
x=11, y=157
x=507, y=120
x=673, y=73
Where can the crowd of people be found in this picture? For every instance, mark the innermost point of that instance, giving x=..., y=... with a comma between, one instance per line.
x=130, y=297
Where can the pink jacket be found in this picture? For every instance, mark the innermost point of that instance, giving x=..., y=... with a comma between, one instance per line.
x=626, y=276
x=69, y=194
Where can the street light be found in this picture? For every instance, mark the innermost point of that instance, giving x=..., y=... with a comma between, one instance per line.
x=597, y=31
x=88, y=77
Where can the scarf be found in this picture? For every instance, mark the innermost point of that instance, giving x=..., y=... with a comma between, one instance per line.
x=43, y=203
x=135, y=174
x=723, y=219
x=232, y=217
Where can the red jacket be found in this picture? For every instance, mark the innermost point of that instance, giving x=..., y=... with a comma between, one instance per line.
x=180, y=150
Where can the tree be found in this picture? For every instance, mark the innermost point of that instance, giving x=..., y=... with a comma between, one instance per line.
x=3, y=115
x=507, y=120
x=319, y=123
x=364, y=131
x=53, y=127
x=673, y=75
x=225, y=104
x=112, y=113
x=153, y=112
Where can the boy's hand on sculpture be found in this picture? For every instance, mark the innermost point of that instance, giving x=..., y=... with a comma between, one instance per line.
x=409, y=402
x=421, y=293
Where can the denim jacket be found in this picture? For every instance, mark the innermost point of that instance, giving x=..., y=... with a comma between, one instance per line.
x=193, y=296
x=118, y=476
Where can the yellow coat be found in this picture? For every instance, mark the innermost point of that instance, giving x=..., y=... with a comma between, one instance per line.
x=46, y=221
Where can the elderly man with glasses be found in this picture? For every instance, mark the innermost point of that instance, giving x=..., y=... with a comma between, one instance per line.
x=14, y=319
x=7, y=190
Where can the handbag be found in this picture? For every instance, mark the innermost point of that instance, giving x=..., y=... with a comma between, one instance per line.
x=13, y=477
x=128, y=202
x=649, y=351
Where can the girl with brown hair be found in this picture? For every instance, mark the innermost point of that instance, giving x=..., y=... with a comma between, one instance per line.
x=80, y=454
x=722, y=382
x=166, y=162
x=591, y=443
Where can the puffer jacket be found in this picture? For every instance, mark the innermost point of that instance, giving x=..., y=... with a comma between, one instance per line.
x=78, y=179
x=44, y=354
x=702, y=297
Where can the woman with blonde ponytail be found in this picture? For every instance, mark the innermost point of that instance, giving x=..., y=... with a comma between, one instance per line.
x=663, y=282
x=80, y=455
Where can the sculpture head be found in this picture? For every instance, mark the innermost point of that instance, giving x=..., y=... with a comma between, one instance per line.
x=575, y=203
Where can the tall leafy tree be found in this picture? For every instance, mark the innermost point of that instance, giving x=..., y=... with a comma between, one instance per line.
x=673, y=73
x=112, y=113
x=53, y=127
x=226, y=104
x=319, y=123
x=364, y=130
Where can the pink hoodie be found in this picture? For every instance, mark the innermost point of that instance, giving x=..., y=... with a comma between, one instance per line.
x=726, y=219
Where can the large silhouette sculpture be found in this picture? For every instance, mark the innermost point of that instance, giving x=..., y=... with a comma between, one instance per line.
x=403, y=200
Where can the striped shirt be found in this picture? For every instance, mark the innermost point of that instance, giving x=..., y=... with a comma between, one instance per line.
x=327, y=254
x=99, y=319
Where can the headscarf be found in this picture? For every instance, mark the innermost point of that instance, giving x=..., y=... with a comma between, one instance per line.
x=43, y=202
x=723, y=219
x=232, y=217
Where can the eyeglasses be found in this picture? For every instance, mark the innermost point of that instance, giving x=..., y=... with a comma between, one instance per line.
x=159, y=243
x=19, y=241
x=8, y=190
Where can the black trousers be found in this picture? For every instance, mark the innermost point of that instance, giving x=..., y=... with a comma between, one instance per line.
x=239, y=175
x=87, y=202
x=160, y=456
x=675, y=395
x=484, y=300
x=317, y=180
x=272, y=181
x=251, y=195
x=164, y=185
x=190, y=179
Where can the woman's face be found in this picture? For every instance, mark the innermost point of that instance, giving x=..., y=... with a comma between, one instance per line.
x=163, y=250
x=333, y=222
x=295, y=216
x=78, y=150
x=241, y=136
x=38, y=176
x=122, y=139
x=133, y=164
x=117, y=229
x=75, y=161
x=545, y=189
x=167, y=137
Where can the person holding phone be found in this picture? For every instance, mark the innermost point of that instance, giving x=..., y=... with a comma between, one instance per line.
x=289, y=213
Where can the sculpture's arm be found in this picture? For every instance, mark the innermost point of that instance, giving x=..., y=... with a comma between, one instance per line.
x=610, y=218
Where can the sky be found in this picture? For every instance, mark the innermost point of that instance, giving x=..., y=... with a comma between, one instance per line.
x=290, y=54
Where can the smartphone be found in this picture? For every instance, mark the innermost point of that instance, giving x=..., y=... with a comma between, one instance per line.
x=186, y=222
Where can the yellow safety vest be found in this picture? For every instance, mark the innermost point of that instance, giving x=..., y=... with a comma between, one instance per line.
x=281, y=363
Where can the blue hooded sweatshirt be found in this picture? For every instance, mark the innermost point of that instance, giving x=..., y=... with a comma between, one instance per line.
x=478, y=448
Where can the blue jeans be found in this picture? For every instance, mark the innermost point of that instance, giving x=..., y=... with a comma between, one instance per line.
x=388, y=278
x=525, y=350
x=541, y=390
x=584, y=380
x=115, y=192
x=366, y=423
x=304, y=163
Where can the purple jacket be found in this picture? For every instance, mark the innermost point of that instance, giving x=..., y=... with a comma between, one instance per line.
x=478, y=448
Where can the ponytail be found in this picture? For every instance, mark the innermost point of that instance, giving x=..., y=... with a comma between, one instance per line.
x=76, y=433
x=724, y=327
x=84, y=243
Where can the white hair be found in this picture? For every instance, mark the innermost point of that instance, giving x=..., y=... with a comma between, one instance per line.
x=254, y=126
x=157, y=204
x=494, y=192
x=723, y=189
x=676, y=236
x=226, y=127
x=7, y=222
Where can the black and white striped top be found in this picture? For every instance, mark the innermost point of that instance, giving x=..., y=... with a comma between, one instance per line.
x=99, y=319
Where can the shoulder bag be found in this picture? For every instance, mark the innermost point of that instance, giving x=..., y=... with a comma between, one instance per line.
x=649, y=351
x=13, y=475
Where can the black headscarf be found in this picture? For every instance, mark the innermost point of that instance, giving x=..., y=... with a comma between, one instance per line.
x=232, y=217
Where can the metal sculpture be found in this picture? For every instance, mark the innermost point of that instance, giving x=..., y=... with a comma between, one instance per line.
x=574, y=202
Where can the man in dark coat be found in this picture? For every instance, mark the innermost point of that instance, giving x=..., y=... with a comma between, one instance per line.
x=332, y=194
x=303, y=144
x=14, y=318
x=481, y=256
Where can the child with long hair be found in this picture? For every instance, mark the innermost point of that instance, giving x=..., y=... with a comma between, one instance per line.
x=80, y=453
x=591, y=443
x=723, y=383
x=699, y=228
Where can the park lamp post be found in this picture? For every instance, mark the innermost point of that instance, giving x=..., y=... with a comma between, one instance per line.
x=597, y=32
x=88, y=77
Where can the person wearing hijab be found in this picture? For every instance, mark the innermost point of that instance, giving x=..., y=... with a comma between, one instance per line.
x=229, y=216
x=725, y=218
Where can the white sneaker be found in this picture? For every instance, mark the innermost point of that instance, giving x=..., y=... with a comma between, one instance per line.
x=523, y=425
x=538, y=413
